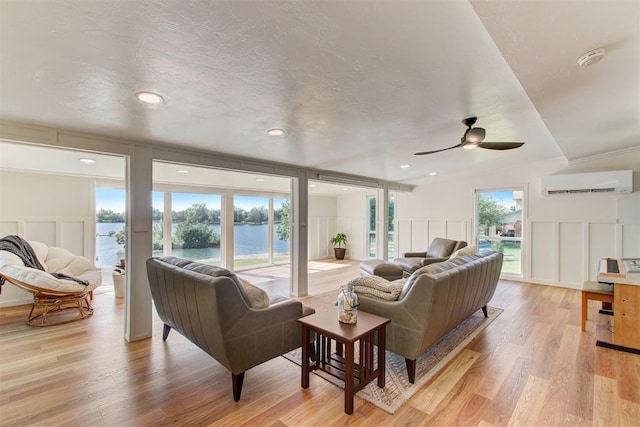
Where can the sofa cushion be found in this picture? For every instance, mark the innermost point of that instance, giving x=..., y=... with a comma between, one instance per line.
x=468, y=250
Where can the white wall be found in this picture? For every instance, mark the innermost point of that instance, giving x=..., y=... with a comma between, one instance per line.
x=322, y=225
x=565, y=235
x=56, y=210
x=352, y=214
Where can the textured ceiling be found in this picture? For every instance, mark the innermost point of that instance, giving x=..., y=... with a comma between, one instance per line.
x=359, y=86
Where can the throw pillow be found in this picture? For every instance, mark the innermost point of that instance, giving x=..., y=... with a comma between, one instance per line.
x=257, y=297
x=467, y=250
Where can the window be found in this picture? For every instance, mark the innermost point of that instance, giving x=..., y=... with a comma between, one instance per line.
x=392, y=229
x=110, y=226
x=195, y=227
x=371, y=232
x=281, y=230
x=499, y=226
x=250, y=231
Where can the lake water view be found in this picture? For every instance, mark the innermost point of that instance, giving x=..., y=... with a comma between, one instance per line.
x=248, y=240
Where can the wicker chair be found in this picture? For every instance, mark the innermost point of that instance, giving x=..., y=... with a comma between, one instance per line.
x=55, y=300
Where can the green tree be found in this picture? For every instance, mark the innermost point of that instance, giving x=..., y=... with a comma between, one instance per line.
x=283, y=229
x=258, y=215
x=490, y=212
x=190, y=235
x=157, y=236
x=193, y=231
x=214, y=216
x=239, y=215
x=120, y=235
x=107, y=215
x=156, y=215
x=372, y=214
x=197, y=213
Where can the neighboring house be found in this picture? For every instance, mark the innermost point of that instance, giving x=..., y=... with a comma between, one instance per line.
x=512, y=224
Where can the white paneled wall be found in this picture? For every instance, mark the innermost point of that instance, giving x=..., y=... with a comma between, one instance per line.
x=570, y=241
x=55, y=210
x=415, y=234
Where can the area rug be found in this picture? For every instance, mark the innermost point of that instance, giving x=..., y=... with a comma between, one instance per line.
x=398, y=390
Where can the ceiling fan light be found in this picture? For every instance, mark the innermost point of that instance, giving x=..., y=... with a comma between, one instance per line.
x=470, y=145
x=475, y=135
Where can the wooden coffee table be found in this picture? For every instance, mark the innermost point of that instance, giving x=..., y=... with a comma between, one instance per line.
x=341, y=364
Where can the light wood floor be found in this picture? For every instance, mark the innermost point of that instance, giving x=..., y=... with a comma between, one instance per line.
x=531, y=367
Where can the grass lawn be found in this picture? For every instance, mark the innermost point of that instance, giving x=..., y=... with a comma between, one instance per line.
x=512, y=258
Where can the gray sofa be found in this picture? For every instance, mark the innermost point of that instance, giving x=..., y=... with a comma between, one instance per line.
x=440, y=249
x=434, y=300
x=237, y=324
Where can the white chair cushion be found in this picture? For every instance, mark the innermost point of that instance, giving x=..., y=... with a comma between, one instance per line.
x=44, y=280
x=54, y=260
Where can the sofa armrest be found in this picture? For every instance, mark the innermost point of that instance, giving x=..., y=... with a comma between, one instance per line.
x=414, y=254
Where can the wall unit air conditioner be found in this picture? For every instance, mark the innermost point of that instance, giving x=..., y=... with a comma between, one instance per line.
x=591, y=182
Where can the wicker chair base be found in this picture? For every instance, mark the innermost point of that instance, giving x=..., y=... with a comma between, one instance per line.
x=49, y=310
x=54, y=308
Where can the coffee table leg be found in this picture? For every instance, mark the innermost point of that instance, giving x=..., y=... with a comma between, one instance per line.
x=348, y=378
x=305, y=357
x=382, y=344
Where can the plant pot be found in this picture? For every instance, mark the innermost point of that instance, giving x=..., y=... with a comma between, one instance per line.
x=339, y=252
x=119, y=284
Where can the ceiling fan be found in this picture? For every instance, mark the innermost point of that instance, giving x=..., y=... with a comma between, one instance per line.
x=473, y=137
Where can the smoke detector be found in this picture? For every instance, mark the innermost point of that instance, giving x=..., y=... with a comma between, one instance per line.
x=591, y=57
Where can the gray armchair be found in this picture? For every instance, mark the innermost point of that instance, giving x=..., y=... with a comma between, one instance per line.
x=236, y=323
x=439, y=250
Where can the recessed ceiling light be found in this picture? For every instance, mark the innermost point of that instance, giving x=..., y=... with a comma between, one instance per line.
x=312, y=185
x=405, y=166
x=149, y=98
x=433, y=173
x=276, y=132
x=345, y=188
x=86, y=161
x=182, y=171
x=260, y=179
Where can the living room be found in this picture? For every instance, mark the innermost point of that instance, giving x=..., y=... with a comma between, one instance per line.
x=566, y=235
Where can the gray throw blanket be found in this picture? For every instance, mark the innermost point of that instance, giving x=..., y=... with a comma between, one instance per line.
x=20, y=247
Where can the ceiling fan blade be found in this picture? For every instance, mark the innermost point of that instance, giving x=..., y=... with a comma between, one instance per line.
x=500, y=145
x=422, y=153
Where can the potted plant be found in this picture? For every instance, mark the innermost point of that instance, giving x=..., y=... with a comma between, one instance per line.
x=119, y=279
x=339, y=240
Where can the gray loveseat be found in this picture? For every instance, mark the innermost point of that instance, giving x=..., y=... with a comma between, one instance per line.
x=236, y=323
x=434, y=300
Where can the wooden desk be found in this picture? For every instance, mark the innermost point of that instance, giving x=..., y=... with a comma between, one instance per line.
x=342, y=365
x=596, y=292
x=626, y=312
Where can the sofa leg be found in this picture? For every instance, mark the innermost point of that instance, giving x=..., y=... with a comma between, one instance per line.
x=411, y=369
x=165, y=332
x=237, y=380
x=484, y=311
